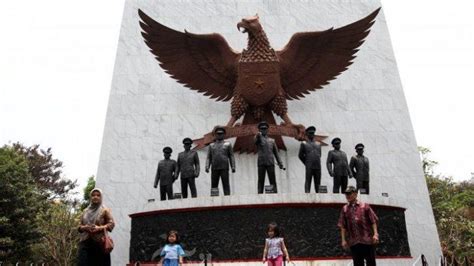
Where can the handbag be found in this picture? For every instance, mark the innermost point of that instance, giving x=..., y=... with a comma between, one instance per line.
x=106, y=242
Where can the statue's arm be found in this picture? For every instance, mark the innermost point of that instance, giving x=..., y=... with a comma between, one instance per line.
x=258, y=138
x=178, y=168
x=302, y=154
x=157, y=176
x=208, y=159
x=352, y=166
x=196, y=165
x=329, y=163
x=175, y=167
x=349, y=171
x=230, y=151
x=368, y=168
x=277, y=156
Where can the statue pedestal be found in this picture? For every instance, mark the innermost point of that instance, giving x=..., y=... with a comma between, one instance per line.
x=231, y=229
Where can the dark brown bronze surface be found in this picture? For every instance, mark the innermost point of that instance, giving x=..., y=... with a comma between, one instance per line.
x=240, y=131
x=259, y=80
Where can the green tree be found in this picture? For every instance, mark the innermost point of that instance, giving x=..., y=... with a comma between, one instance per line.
x=19, y=205
x=453, y=208
x=46, y=171
x=428, y=164
x=59, y=243
x=87, y=192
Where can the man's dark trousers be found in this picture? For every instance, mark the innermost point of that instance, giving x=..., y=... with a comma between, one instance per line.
x=361, y=252
x=192, y=186
x=340, y=182
x=166, y=190
x=310, y=173
x=363, y=184
x=224, y=175
x=270, y=170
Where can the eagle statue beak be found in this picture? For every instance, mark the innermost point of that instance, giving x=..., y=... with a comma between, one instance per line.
x=241, y=25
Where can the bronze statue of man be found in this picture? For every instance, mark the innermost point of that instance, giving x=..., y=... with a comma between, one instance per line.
x=165, y=174
x=338, y=167
x=188, y=167
x=266, y=150
x=219, y=156
x=310, y=155
x=359, y=166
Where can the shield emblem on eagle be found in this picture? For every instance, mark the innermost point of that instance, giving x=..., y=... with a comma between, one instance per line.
x=258, y=82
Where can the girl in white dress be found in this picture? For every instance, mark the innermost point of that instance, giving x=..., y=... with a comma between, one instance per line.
x=274, y=247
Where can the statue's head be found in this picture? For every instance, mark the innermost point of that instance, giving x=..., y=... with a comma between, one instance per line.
x=336, y=143
x=250, y=25
x=219, y=133
x=310, y=131
x=359, y=148
x=167, y=152
x=263, y=128
x=188, y=142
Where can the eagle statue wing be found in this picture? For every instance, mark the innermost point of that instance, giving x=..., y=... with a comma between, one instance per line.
x=311, y=59
x=202, y=62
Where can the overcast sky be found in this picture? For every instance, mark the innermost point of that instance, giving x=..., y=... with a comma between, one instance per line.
x=57, y=58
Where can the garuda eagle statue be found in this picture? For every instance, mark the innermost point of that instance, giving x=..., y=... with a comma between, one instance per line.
x=259, y=80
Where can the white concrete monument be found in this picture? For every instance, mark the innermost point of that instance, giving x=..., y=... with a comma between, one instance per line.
x=149, y=110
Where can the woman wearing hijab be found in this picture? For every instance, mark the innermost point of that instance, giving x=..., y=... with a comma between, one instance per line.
x=94, y=220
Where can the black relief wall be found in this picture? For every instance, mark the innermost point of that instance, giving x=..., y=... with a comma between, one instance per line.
x=239, y=233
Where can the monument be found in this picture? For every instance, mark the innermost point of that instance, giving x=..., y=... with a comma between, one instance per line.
x=302, y=46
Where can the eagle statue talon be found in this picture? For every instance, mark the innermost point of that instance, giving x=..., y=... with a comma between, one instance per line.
x=301, y=132
x=301, y=129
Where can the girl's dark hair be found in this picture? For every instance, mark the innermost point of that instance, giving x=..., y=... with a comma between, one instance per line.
x=274, y=227
x=172, y=232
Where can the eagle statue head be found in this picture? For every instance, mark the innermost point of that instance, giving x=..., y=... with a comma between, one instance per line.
x=250, y=25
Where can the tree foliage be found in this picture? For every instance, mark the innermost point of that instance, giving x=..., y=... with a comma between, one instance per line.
x=38, y=219
x=46, y=171
x=20, y=202
x=87, y=192
x=59, y=243
x=453, y=208
x=428, y=164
